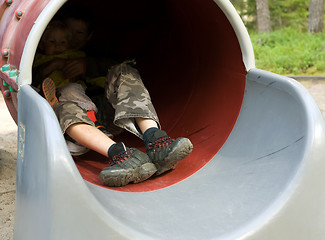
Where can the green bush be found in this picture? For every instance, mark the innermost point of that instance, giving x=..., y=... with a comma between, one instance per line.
x=290, y=52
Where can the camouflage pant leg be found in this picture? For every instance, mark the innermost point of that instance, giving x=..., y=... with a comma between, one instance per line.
x=129, y=97
x=69, y=113
x=105, y=114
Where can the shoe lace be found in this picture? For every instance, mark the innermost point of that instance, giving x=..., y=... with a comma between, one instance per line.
x=160, y=143
x=121, y=157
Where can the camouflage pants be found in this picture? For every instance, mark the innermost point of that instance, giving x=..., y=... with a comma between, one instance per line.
x=125, y=98
x=69, y=113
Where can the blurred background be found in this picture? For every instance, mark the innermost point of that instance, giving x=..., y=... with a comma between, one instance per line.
x=287, y=36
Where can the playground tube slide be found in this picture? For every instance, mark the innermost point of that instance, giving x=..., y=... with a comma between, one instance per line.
x=259, y=138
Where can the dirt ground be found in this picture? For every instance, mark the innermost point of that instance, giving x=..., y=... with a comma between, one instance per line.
x=8, y=155
x=8, y=148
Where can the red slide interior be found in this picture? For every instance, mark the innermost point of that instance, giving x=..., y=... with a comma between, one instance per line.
x=190, y=60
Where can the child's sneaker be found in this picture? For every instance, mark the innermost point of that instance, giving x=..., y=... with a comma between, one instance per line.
x=165, y=152
x=49, y=91
x=75, y=148
x=131, y=165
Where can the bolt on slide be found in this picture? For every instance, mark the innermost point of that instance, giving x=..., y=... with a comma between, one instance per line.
x=256, y=170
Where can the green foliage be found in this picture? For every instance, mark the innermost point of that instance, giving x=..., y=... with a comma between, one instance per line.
x=292, y=13
x=247, y=11
x=290, y=52
x=286, y=13
x=289, y=49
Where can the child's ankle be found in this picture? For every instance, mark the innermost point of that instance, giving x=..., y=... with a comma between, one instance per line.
x=116, y=149
x=148, y=135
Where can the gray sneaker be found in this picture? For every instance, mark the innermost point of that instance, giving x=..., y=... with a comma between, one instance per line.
x=129, y=166
x=166, y=152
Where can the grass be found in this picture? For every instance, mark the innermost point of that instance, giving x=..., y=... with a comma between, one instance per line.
x=290, y=52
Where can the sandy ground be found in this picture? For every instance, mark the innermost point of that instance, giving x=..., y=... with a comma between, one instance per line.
x=8, y=155
x=8, y=148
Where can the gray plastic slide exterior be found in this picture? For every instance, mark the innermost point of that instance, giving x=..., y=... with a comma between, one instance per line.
x=256, y=187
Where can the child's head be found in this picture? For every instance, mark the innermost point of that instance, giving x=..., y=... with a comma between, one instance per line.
x=80, y=32
x=80, y=20
x=56, y=38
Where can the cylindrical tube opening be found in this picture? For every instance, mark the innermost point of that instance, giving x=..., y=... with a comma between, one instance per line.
x=190, y=60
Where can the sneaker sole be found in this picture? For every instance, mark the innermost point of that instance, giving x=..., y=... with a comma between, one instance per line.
x=136, y=175
x=78, y=153
x=76, y=149
x=48, y=88
x=181, y=151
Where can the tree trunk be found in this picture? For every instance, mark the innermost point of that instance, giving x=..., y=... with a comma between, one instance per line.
x=263, y=16
x=316, y=12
